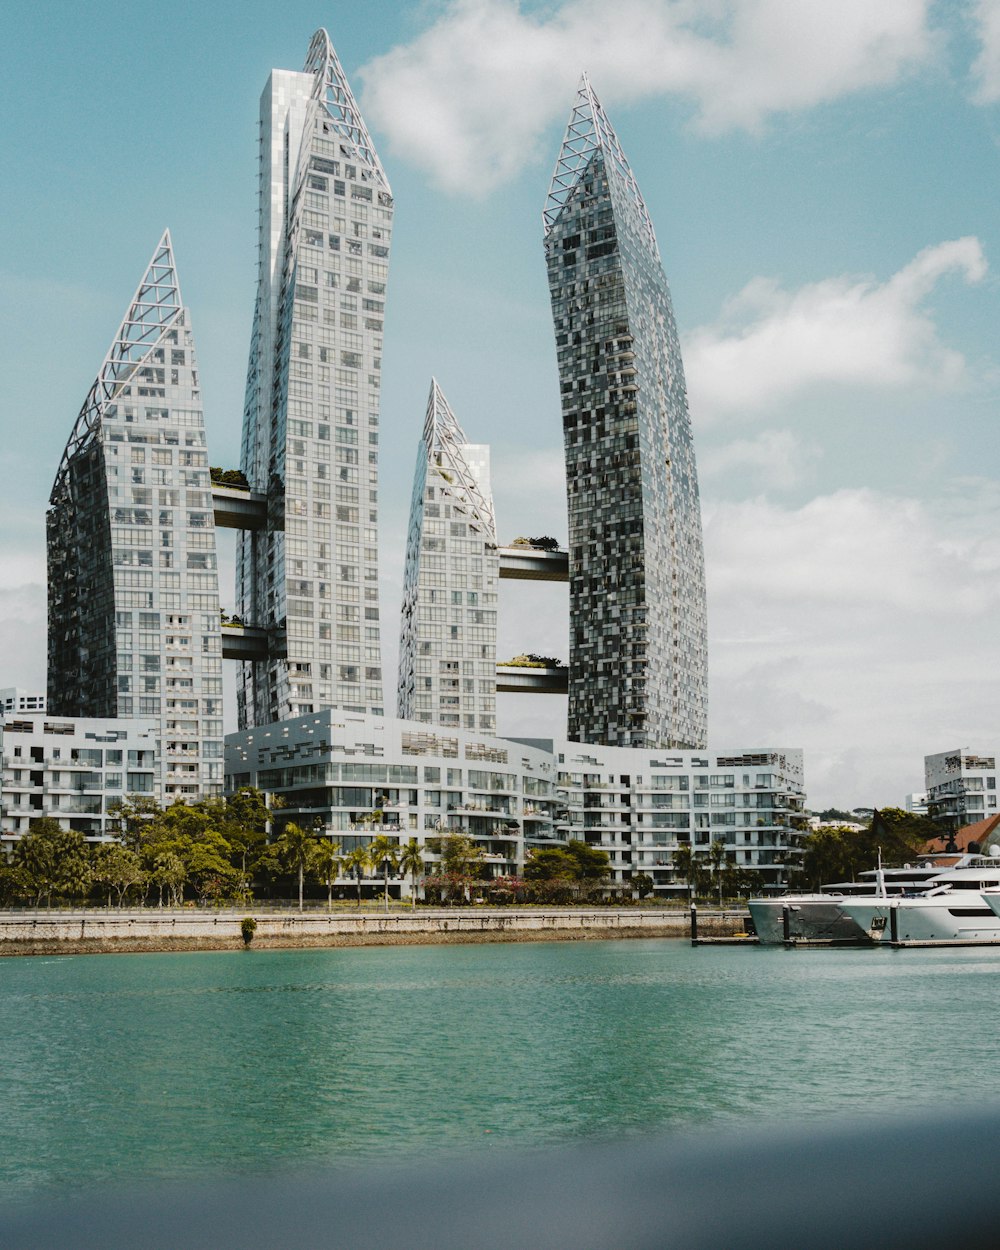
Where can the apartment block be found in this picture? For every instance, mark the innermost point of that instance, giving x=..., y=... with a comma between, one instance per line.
x=72, y=769
x=354, y=776
x=642, y=806
x=961, y=787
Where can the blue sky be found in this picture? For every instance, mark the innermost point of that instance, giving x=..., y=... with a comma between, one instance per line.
x=823, y=180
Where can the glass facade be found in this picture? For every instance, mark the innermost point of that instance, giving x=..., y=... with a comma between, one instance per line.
x=638, y=648
x=311, y=420
x=447, y=652
x=134, y=625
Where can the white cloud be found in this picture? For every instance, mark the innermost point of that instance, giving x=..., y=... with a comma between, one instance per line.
x=986, y=67
x=775, y=458
x=771, y=343
x=859, y=619
x=471, y=97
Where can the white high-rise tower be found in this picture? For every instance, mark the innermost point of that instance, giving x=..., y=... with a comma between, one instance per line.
x=133, y=584
x=311, y=420
x=448, y=638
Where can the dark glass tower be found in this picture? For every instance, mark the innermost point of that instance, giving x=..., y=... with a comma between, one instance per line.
x=638, y=653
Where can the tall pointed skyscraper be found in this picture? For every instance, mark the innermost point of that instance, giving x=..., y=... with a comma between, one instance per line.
x=638, y=650
x=448, y=642
x=311, y=420
x=133, y=587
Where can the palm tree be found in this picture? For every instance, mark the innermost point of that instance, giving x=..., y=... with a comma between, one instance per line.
x=685, y=865
x=327, y=865
x=716, y=862
x=296, y=848
x=411, y=860
x=385, y=851
x=356, y=864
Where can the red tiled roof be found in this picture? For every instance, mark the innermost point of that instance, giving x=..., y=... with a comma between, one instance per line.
x=979, y=832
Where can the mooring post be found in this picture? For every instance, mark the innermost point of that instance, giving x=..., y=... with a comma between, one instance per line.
x=786, y=923
x=893, y=924
x=694, y=924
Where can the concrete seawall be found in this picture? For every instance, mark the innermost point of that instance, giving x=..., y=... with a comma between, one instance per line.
x=95, y=931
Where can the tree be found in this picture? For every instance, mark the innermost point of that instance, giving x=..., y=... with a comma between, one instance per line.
x=551, y=863
x=642, y=883
x=545, y=543
x=593, y=864
x=246, y=822
x=116, y=868
x=132, y=818
x=356, y=864
x=686, y=866
x=385, y=851
x=411, y=861
x=717, y=863
x=168, y=872
x=460, y=858
x=326, y=864
x=459, y=853
x=577, y=862
x=296, y=848
x=16, y=885
x=54, y=860
x=837, y=853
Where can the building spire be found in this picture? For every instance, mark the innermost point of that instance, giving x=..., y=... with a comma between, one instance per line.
x=155, y=305
x=445, y=441
x=588, y=132
x=331, y=89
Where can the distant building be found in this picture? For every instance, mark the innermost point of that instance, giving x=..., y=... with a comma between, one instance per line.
x=311, y=417
x=134, y=621
x=15, y=700
x=638, y=674
x=641, y=806
x=337, y=772
x=355, y=777
x=917, y=803
x=71, y=769
x=447, y=653
x=961, y=787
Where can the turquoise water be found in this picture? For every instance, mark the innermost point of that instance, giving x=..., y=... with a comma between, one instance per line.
x=128, y=1066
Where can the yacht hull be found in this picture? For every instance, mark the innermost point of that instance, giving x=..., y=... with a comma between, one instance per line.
x=819, y=918
x=945, y=918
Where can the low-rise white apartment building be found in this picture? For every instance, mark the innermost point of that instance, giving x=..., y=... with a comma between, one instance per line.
x=72, y=768
x=641, y=805
x=355, y=776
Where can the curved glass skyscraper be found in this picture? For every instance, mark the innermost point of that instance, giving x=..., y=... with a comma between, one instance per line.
x=638, y=653
x=311, y=419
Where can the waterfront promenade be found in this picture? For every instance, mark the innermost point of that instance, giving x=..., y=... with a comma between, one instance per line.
x=97, y=930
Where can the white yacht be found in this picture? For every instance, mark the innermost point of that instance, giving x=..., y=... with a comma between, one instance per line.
x=821, y=917
x=952, y=908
